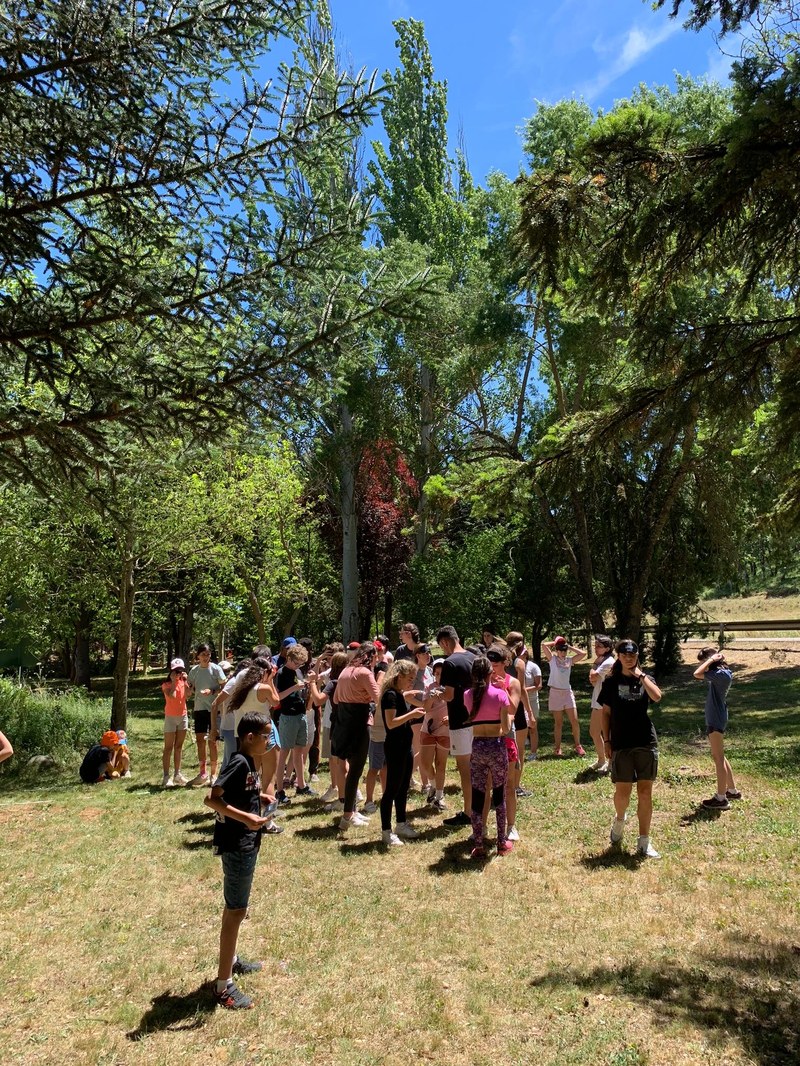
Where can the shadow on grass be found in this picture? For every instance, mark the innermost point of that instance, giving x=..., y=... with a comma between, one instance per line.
x=701, y=814
x=202, y=843
x=203, y=817
x=613, y=857
x=750, y=994
x=175, y=1014
x=148, y=786
x=319, y=832
x=362, y=847
x=589, y=777
x=454, y=859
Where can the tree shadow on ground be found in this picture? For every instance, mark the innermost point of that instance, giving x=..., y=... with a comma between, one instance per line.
x=751, y=994
x=175, y=1013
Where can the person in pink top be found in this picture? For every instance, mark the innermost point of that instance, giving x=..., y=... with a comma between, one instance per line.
x=176, y=722
x=355, y=700
x=489, y=713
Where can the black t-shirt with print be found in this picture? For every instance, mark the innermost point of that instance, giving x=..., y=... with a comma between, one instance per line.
x=457, y=674
x=241, y=785
x=294, y=703
x=630, y=723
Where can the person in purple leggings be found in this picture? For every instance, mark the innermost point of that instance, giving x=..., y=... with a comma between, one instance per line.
x=490, y=716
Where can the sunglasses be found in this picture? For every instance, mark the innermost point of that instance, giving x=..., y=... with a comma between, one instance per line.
x=495, y=657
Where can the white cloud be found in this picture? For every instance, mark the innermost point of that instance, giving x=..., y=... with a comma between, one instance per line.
x=719, y=66
x=625, y=52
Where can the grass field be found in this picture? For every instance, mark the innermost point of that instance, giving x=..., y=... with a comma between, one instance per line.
x=564, y=952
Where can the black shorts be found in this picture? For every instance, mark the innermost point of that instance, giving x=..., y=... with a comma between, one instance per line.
x=634, y=764
x=202, y=722
x=520, y=721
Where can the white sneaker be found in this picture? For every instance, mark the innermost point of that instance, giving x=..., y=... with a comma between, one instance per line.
x=646, y=849
x=201, y=779
x=388, y=837
x=213, y=781
x=439, y=804
x=334, y=808
x=331, y=795
x=369, y=807
x=359, y=795
x=617, y=829
x=127, y=773
x=179, y=779
x=314, y=779
x=512, y=833
x=167, y=782
x=357, y=820
x=406, y=831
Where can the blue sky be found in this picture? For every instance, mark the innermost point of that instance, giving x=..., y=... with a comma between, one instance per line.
x=500, y=57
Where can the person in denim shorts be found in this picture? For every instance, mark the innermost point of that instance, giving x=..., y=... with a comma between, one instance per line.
x=236, y=799
x=717, y=673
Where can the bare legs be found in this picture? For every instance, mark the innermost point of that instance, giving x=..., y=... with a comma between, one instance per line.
x=725, y=781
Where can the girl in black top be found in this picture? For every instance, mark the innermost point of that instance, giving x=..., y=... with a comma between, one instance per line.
x=631, y=742
x=397, y=717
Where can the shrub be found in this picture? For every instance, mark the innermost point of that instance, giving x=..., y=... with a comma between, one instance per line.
x=61, y=724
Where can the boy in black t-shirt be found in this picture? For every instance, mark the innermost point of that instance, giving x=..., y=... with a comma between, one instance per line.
x=236, y=797
x=631, y=744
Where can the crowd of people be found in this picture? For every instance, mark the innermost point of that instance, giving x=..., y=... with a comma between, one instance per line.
x=398, y=715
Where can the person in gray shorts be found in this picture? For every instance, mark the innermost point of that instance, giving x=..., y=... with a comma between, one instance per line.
x=631, y=743
x=714, y=670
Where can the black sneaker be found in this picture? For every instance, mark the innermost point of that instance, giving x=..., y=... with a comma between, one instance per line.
x=458, y=819
x=282, y=799
x=242, y=966
x=233, y=998
x=524, y=792
x=715, y=804
x=307, y=790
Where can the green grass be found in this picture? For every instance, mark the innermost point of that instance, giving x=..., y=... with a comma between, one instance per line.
x=563, y=953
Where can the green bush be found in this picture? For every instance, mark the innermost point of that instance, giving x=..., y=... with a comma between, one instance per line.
x=61, y=724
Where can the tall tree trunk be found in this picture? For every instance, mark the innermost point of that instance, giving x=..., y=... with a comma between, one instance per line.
x=68, y=660
x=146, y=643
x=349, y=516
x=255, y=607
x=127, y=591
x=663, y=491
x=187, y=628
x=426, y=381
x=82, y=672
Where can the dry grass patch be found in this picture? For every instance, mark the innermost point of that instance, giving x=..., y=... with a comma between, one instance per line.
x=564, y=952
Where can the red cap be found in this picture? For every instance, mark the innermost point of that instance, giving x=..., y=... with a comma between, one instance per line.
x=561, y=642
x=379, y=646
x=353, y=645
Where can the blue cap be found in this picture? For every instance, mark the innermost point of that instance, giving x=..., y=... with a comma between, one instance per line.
x=287, y=642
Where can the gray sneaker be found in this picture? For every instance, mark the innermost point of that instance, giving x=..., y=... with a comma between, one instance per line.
x=617, y=830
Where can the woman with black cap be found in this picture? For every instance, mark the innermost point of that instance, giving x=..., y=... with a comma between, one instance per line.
x=631, y=743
